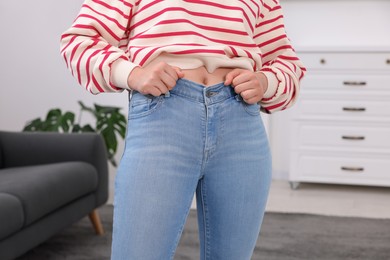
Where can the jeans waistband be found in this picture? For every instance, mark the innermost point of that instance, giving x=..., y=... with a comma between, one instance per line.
x=198, y=92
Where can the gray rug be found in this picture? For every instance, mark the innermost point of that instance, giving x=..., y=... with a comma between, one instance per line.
x=284, y=236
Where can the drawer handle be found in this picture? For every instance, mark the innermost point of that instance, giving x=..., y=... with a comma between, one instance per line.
x=355, y=83
x=388, y=61
x=354, y=109
x=322, y=61
x=352, y=169
x=356, y=138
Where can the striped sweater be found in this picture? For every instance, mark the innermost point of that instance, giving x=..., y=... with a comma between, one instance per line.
x=109, y=38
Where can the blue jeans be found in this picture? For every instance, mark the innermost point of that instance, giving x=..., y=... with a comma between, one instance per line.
x=193, y=139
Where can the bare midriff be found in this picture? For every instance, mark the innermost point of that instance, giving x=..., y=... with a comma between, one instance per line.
x=202, y=76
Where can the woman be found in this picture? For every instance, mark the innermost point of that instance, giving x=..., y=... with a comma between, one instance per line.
x=198, y=72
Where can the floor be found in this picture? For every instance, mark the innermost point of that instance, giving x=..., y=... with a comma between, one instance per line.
x=334, y=200
x=326, y=199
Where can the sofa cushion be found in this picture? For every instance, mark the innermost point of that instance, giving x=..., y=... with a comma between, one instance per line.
x=44, y=188
x=11, y=213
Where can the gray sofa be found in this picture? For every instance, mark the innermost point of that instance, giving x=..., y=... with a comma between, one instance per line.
x=48, y=181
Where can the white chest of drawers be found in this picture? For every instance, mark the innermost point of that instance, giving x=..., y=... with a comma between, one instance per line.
x=340, y=127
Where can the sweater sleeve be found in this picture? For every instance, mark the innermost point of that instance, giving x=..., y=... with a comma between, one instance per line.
x=281, y=65
x=94, y=47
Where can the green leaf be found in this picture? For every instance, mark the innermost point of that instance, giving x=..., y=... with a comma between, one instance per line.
x=67, y=120
x=110, y=123
x=87, y=129
x=76, y=128
x=58, y=122
x=34, y=125
x=53, y=119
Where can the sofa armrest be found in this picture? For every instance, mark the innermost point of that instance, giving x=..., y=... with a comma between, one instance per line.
x=34, y=148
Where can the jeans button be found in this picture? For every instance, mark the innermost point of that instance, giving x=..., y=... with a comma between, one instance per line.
x=210, y=94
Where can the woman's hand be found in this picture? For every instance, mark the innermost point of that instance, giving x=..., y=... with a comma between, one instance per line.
x=155, y=79
x=250, y=85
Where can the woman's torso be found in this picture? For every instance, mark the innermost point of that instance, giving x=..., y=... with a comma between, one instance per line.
x=202, y=76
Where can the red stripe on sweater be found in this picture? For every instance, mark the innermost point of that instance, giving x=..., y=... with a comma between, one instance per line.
x=102, y=24
x=289, y=100
x=207, y=3
x=146, y=57
x=186, y=33
x=145, y=7
x=276, y=8
x=66, y=46
x=272, y=9
x=126, y=3
x=284, y=64
x=301, y=76
x=277, y=105
x=69, y=43
x=277, y=49
x=120, y=12
x=284, y=57
x=268, y=31
x=102, y=63
x=106, y=54
x=174, y=9
x=199, y=51
x=95, y=42
x=235, y=53
x=96, y=83
x=134, y=56
x=66, y=35
x=269, y=21
x=87, y=65
x=280, y=37
x=107, y=17
x=72, y=56
x=251, y=57
x=267, y=7
x=257, y=5
x=86, y=27
x=255, y=14
x=208, y=28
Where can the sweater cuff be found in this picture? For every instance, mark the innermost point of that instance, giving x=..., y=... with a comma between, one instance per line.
x=273, y=83
x=120, y=71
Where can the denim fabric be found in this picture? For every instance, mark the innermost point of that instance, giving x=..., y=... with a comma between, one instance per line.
x=194, y=139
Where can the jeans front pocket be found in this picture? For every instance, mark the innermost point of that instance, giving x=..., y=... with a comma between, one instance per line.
x=143, y=105
x=251, y=109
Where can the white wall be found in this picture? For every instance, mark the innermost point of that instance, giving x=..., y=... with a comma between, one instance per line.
x=33, y=76
x=337, y=23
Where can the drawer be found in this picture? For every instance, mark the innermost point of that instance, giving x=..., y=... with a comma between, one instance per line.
x=349, y=110
x=309, y=167
x=346, y=60
x=357, y=83
x=342, y=137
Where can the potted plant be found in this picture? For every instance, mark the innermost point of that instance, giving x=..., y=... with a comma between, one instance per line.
x=110, y=123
